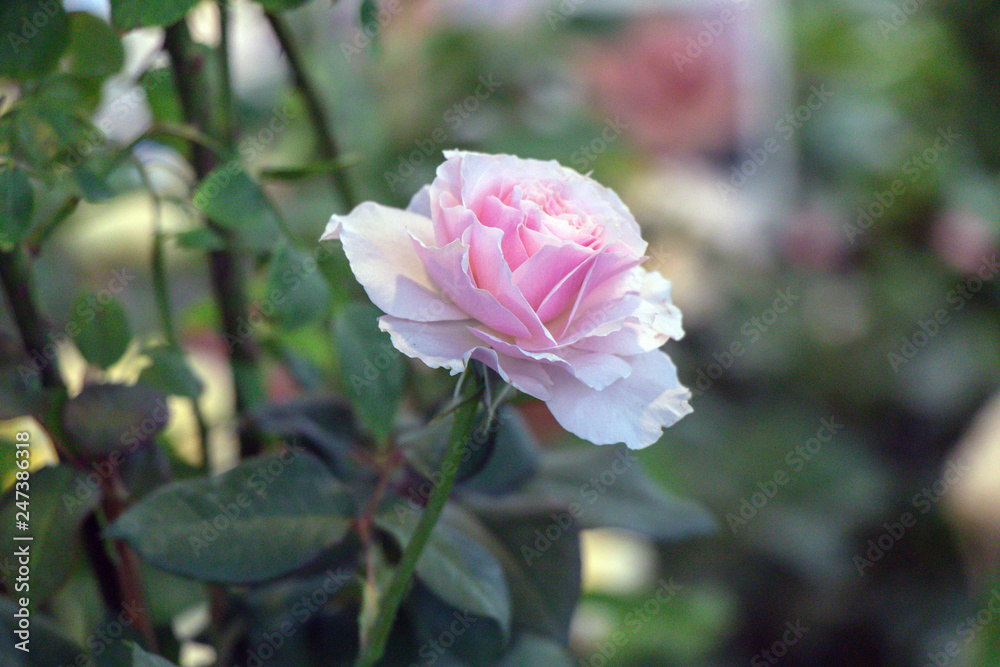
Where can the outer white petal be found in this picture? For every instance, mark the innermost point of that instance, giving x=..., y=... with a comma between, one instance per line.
x=634, y=410
x=380, y=249
x=437, y=344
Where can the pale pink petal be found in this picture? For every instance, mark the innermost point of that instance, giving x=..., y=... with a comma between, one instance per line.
x=437, y=344
x=595, y=369
x=378, y=247
x=633, y=410
x=449, y=267
x=497, y=214
x=530, y=377
x=552, y=266
x=450, y=345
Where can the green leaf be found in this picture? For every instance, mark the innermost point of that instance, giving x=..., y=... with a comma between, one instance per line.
x=200, y=239
x=129, y=14
x=60, y=498
x=93, y=186
x=142, y=659
x=473, y=640
x=266, y=518
x=540, y=555
x=47, y=645
x=297, y=293
x=230, y=197
x=372, y=371
x=35, y=34
x=100, y=330
x=17, y=201
x=170, y=373
x=18, y=396
x=107, y=418
x=502, y=458
x=95, y=50
x=530, y=649
x=454, y=565
x=282, y=5
x=603, y=487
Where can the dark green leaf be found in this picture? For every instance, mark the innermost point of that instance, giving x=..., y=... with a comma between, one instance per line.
x=106, y=418
x=502, y=457
x=530, y=649
x=19, y=393
x=200, y=239
x=100, y=330
x=603, y=487
x=35, y=34
x=60, y=498
x=266, y=518
x=170, y=373
x=142, y=659
x=540, y=556
x=372, y=371
x=129, y=14
x=443, y=631
x=17, y=201
x=322, y=425
x=454, y=565
x=297, y=293
x=230, y=197
x=95, y=50
x=46, y=643
x=282, y=5
x=93, y=186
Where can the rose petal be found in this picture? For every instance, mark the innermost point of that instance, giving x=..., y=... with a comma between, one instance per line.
x=437, y=344
x=595, y=369
x=449, y=267
x=382, y=257
x=552, y=266
x=634, y=410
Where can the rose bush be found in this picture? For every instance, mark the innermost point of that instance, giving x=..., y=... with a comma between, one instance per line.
x=534, y=270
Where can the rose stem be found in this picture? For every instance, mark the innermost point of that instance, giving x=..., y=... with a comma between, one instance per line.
x=395, y=593
x=324, y=135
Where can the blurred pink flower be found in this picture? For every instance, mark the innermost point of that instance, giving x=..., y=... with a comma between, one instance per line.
x=670, y=101
x=963, y=239
x=533, y=270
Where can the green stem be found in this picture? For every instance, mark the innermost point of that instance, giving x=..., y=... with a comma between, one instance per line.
x=18, y=285
x=324, y=135
x=399, y=585
x=224, y=267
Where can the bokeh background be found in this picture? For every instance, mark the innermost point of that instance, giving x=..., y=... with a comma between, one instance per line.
x=819, y=179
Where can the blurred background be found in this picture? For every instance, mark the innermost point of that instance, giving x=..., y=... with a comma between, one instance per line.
x=819, y=179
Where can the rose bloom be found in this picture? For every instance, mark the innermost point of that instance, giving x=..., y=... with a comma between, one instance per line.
x=533, y=270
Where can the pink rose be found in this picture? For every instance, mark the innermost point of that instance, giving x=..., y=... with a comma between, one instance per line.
x=532, y=269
